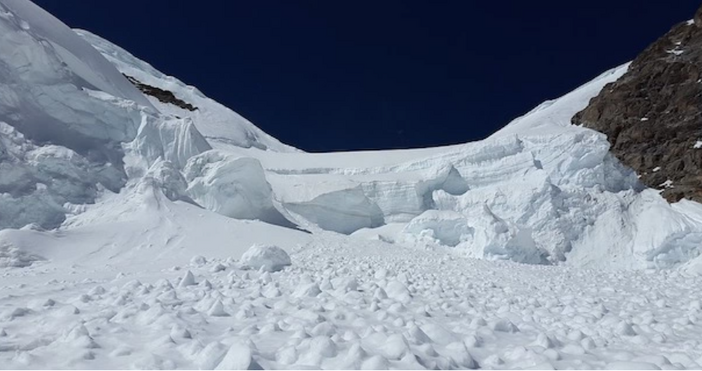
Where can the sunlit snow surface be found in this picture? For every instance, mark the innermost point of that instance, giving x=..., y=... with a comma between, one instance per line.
x=348, y=304
x=123, y=221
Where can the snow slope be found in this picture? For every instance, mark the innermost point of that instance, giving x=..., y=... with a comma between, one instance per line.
x=71, y=125
x=216, y=122
x=127, y=226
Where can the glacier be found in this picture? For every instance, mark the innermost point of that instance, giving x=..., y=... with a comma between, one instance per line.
x=436, y=257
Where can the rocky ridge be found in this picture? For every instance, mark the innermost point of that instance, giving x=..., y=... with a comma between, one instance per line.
x=652, y=115
x=164, y=96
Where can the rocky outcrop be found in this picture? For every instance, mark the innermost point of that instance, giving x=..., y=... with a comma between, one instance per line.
x=164, y=96
x=652, y=115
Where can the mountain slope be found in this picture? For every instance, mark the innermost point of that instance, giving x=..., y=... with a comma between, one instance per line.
x=538, y=191
x=126, y=223
x=217, y=123
x=572, y=190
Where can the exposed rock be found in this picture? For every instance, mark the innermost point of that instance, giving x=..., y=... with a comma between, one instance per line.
x=653, y=114
x=164, y=96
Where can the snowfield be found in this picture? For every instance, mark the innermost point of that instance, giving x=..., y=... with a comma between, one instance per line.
x=139, y=234
x=348, y=304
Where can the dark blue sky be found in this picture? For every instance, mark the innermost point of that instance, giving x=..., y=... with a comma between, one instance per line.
x=337, y=75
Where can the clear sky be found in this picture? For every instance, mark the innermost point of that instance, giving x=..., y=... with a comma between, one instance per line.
x=340, y=75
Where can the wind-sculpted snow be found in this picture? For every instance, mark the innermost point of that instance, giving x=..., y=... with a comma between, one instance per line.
x=400, y=200
x=142, y=224
x=553, y=190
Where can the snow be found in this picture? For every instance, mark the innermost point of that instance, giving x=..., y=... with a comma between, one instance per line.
x=481, y=234
x=230, y=185
x=60, y=42
x=135, y=234
x=217, y=123
x=267, y=258
x=142, y=227
x=478, y=313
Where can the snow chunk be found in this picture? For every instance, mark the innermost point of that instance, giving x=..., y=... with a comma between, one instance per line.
x=398, y=291
x=268, y=258
x=231, y=185
x=395, y=347
x=449, y=228
x=188, y=280
x=504, y=325
x=217, y=310
x=478, y=232
x=667, y=184
x=167, y=139
x=344, y=211
x=307, y=290
x=238, y=357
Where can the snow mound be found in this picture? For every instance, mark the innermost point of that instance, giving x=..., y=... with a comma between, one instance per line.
x=140, y=226
x=14, y=257
x=268, y=258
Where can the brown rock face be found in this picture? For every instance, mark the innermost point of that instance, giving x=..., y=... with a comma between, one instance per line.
x=164, y=96
x=653, y=114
